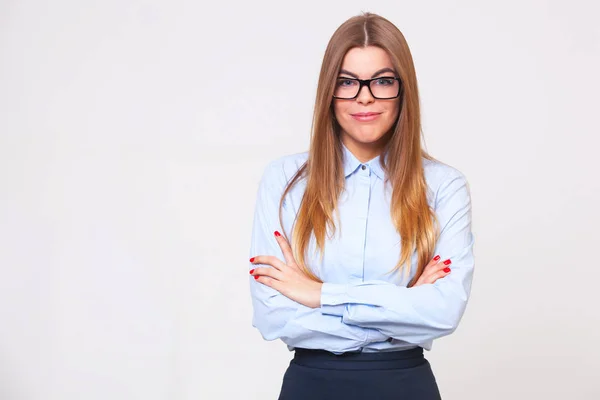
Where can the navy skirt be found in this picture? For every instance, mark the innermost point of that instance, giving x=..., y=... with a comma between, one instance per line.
x=395, y=375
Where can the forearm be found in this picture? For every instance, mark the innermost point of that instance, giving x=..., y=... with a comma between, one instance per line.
x=414, y=315
x=277, y=317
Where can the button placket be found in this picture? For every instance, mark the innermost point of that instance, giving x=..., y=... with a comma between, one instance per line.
x=364, y=183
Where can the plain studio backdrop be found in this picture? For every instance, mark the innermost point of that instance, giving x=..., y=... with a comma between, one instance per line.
x=134, y=134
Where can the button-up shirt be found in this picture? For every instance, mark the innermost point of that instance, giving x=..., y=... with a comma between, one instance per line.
x=362, y=307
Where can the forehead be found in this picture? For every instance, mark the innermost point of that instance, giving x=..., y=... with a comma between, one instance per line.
x=365, y=61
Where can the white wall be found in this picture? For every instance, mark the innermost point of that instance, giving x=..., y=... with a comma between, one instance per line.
x=132, y=138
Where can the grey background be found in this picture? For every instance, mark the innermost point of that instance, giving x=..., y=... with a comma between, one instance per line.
x=132, y=138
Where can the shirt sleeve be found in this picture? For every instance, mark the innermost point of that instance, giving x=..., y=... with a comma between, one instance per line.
x=275, y=315
x=426, y=312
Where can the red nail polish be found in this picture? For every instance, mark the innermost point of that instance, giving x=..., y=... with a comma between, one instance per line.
x=277, y=233
x=447, y=262
x=251, y=271
x=256, y=276
x=252, y=259
x=446, y=269
x=436, y=258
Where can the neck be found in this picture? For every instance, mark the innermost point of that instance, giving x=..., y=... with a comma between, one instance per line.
x=363, y=151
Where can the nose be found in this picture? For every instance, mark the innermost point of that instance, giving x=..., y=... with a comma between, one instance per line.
x=364, y=96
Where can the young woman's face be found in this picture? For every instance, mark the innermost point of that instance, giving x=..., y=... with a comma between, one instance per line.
x=365, y=137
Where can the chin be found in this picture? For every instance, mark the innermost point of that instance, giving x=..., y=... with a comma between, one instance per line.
x=367, y=137
x=369, y=140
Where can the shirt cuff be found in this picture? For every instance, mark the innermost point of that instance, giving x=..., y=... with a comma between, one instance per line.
x=332, y=299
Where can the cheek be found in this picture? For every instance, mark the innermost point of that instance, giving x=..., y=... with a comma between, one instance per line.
x=338, y=111
x=392, y=114
x=391, y=117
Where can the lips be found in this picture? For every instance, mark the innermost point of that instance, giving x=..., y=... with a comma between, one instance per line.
x=368, y=114
x=365, y=117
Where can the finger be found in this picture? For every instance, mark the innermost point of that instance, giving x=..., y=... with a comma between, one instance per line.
x=432, y=269
x=268, y=281
x=432, y=278
x=285, y=248
x=433, y=261
x=268, y=260
x=267, y=271
x=444, y=265
x=440, y=274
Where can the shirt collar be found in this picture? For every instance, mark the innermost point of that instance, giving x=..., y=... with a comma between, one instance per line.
x=351, y=163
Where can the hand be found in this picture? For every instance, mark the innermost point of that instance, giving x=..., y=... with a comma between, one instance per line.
x=287, y=278
x=434, y=271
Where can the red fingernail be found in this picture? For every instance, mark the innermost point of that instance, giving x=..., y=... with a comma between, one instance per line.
x=436, y=258
x=256, y=276
x=252, y=259
x=277, y=233
x=251, y=271
x=447, y=262
x=446, y=269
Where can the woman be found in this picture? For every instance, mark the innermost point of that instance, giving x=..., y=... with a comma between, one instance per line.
x=362, y=250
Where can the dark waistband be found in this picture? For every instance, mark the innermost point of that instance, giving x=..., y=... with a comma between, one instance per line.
x=359, y=361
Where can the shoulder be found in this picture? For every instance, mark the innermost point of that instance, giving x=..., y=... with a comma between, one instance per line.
x=437, y=171
x=280, y=170
x=443, y=179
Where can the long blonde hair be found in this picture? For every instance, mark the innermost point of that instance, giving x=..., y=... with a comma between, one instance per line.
x=414, y=220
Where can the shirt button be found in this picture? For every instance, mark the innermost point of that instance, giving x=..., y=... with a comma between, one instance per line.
x=364, y=167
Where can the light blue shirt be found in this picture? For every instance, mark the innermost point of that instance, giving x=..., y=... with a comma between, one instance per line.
x=362, y=308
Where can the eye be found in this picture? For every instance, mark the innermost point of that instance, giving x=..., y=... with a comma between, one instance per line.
x=385, y=81
x=346, y=82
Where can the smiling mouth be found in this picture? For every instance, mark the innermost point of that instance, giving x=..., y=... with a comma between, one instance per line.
x=365, y=117
x=365, y=114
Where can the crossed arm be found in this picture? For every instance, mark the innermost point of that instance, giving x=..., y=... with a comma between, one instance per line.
x=344, y=317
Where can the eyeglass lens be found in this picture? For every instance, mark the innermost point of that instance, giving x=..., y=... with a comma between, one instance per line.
x=384, y=87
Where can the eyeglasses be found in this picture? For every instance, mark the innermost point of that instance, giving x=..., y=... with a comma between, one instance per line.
x=382, y=88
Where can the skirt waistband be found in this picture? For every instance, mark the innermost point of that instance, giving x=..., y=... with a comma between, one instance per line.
x=359, y=361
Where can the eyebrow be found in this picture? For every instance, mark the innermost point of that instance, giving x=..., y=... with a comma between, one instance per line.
x=379, y=72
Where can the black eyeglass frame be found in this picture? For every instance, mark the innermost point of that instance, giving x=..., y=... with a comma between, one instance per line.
x=367, y=83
